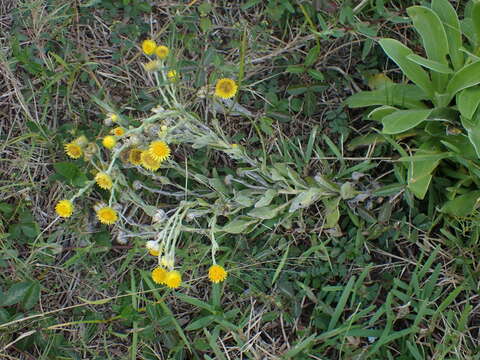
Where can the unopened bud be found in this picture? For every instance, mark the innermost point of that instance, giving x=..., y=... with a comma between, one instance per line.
x=159, y=216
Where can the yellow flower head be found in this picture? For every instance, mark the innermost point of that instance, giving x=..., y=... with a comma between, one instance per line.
x=162, y=51
x=149, y=46
x=151, y=65
x=107, y=215
x=118, y=131
x=159, y=150
x=135, y=156
x=103, y=180
x=73, y=150
x=64, y=208
x=159, y=275
x=109, y=141
x=217, y=274
x=173, y=279
x=149, y=162
x=225, y=88
x=172, y=75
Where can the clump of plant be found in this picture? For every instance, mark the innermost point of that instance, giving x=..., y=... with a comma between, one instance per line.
x=133, y=164
x=434, y=117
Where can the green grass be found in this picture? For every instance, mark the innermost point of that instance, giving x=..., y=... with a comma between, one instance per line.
x=370, y=273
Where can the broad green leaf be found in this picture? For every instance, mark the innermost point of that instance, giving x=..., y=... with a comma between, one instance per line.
x=398, y=53
x=476, y=19
x=6, y=208
x=470, y=54
x=409, y=96
x=451, y=24
x=420, y=169
x=16, y=293
x=428, y=157
x=31, y=297
x=238, y=225
x=465, y=78
x=434, y=39
x=435, y=128
x=462, y=205
x=379, y=113
x=473, y=130
x=460, y=144
x=379, y=81
x=468, y=101
x=431, y=29
x=403, y=120
x=4, y=316
x=468, y=30
x=420, y=186
x=430, y=64
x=67, y=169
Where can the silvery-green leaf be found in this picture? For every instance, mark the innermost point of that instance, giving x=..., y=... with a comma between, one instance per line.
x=266, y=199
x=306, y=198
x=265, y=213
x=239, y=225
x=202, y=141
x=332, y=213
x=245, y=197
x=232, y=108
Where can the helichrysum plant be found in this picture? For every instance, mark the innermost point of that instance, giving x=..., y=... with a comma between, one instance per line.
x=147, y=146
x=438, y=105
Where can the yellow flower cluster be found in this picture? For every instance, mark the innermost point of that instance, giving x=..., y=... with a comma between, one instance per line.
x=149, y=47
x=106, y=215
x=172, y=278
x=151, y=158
